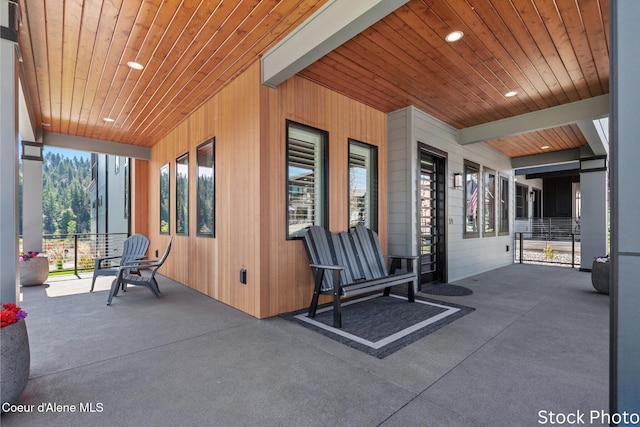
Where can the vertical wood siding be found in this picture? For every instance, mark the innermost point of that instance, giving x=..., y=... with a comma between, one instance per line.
x=248, y=121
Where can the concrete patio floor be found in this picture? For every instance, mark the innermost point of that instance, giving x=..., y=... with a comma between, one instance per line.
x=537, y=343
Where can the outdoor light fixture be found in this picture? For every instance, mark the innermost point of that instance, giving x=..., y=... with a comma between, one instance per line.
x=457, y=180
x=510, y=94
x=108, y=120
x=32, y=150
x=135, y=65
x=454, y=36
x=532, y=196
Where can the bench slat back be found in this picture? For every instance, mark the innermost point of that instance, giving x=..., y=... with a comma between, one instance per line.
x=350, y=259
x=319, y=245
x=368, y=246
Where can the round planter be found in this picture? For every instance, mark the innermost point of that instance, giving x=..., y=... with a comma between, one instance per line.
x=16, y=360
x=34, y=271
x=600, y=276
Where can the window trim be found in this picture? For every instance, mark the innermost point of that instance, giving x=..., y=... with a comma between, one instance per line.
x=373, y=200
x=324, y=153
x=166, y=166
x=178, y=159
x=485, y=183
x=471, y=234
x=525, y=207
x=502, y=231
x=212, y=234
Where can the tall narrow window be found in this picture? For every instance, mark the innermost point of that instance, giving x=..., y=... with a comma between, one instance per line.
x=306, y=179
x=471, y=200
x=521, y=202
x=182, y=194
x=504, y=205
x=164, y=199
x=205, y=192
x=363, y=185
x=489, y=183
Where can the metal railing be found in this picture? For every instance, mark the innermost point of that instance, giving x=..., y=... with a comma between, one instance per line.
x=555, y=228
x=77, y=252
x=535, y=248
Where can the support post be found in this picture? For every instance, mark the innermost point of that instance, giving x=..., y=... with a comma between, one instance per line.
x=9, y=272
x=624, y=357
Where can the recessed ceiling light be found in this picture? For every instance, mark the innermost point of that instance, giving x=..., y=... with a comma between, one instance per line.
x=544, y=147
x=510, y=94
x=45, y=124
x=454, y=36
x=135, y=65
x=108, y=120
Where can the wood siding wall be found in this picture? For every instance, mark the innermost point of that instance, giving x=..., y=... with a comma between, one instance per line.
x=248, y=122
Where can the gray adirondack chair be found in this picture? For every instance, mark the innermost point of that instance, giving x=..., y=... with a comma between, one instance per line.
x=134, y=248
x=125, y=277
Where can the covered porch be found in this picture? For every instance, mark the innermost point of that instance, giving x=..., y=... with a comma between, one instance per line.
x=537, y=343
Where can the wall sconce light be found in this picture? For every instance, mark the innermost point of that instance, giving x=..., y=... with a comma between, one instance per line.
x=457, y=180
x=532, y=196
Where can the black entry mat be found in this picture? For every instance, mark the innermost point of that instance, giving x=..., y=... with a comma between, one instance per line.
x=379, y=325
x=446, y=289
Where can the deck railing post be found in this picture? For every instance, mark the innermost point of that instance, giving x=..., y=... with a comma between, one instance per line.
x=75, y=254
x=521, y=249
x=573, y=250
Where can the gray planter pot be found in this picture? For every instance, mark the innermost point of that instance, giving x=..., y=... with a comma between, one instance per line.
x=34, y=271
x=600, y=276
x=16, y=361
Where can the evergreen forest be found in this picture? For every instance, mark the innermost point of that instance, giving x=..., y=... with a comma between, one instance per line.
x=66, y=200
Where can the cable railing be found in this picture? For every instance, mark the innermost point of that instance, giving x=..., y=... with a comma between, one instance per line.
x=73, y=253
x=536, y=248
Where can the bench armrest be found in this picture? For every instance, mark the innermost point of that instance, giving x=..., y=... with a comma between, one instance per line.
x=327, y=267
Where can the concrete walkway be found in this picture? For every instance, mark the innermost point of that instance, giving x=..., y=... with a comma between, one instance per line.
x=536, y=344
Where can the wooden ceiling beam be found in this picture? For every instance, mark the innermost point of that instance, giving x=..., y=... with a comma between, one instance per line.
x=561, y=115
x=332, y=25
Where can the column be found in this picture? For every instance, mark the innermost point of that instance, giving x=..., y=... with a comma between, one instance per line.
x=593, y=219
x=625, y=208
x=9, y=159
x=32, y=196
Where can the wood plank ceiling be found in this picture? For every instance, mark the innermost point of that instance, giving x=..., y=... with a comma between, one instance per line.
x=551, y=52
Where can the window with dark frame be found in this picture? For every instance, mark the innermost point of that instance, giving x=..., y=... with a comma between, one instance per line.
x=306, y=177
x=521, y=201
x=489, y=202
x=164, y=199
x=363, y=185
x=504, y=205
x=182, y=194
x=471, y=199
x=127, y=180
x=205, y=189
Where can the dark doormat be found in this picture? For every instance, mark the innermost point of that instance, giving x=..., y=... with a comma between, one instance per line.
x=446, y=289
x=380, y=326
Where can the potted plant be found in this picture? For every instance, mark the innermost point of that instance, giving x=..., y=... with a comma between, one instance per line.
x=16, y=357
x=34, y=268
x=600, y=274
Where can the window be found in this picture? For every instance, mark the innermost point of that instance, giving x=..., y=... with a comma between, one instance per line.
x=489, y=183
x=127, y=180
x=182, y=194
x=164, y=199
x=521, y=202
x=504, y=205
x=205, y=191
x=306, y=179
x=471, y=200
x=363, y=185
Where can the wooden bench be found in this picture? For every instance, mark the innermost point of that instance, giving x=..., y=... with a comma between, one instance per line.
x=354, y=265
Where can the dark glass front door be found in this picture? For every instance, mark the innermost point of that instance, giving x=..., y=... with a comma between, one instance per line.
x=432, y=222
